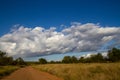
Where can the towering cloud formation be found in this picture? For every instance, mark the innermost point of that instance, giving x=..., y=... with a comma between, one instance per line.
x=78, y=37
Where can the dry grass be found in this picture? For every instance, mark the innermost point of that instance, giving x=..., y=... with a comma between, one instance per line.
x=89, y=71
x=6, y=70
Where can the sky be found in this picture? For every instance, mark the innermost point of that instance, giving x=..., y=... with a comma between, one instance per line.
x=30, y=28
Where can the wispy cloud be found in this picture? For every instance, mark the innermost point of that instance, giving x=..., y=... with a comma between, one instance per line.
x=38, y=41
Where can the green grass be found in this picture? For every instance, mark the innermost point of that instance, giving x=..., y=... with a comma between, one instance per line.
x=6, y=70
x=88, y=71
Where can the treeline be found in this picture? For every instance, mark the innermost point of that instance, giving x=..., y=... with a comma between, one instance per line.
x=5, y=60
x=113, y=55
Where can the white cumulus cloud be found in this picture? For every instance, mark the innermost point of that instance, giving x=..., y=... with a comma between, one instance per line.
x=24, y=42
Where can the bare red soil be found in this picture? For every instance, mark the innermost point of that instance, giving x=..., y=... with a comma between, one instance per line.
x=29, y=73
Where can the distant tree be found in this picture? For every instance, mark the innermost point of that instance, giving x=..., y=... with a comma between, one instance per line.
x=114, y=55
x=93, y=58
x=2, y=54
x=82, y=60
x=55, y=62
x=8, y=60
x=42, y=61
x=4, y=59
x=19, y=61
x=66, y=59
x=100, y=58
x=74, y=59
x=97, y=58
x=52, y=62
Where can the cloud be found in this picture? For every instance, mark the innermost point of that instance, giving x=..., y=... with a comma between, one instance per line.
x=88, y=55
x=38, y=41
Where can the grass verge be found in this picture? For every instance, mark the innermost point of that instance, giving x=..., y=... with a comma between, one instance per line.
x=6, y=70
x=88, y=71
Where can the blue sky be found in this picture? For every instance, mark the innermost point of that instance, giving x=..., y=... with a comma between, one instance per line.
x=49, y=13
x=54, y=13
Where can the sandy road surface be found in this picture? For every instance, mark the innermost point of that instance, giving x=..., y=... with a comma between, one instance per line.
x=29, y=73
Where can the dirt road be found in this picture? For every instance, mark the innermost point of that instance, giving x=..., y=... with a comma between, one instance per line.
x=29, y=73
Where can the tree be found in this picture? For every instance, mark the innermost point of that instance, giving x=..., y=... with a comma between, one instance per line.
x=114, y=55
x=8, y=60
x=93, y=58
x=19, y=61
x=42, y=61
x=4, y=59
x=96, y=58
x=74, y=59
x=2, y=54
x=67, y=59
x=99, y=57
x=82, y=59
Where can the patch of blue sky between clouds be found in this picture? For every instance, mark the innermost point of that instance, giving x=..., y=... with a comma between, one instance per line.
x=59, y=57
